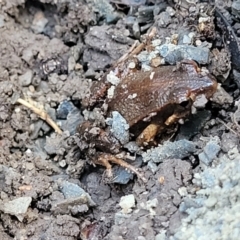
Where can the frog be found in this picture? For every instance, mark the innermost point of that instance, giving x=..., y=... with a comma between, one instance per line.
x=149, y=101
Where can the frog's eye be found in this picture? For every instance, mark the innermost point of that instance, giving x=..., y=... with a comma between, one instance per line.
x=185, y=103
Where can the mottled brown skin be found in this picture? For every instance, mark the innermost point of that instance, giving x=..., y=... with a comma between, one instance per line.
x=159, y=98
x=169, y=92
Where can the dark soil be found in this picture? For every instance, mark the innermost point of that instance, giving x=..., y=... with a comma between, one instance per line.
x=51, y=52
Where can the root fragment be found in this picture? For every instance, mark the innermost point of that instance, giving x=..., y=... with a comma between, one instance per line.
x=41, y=113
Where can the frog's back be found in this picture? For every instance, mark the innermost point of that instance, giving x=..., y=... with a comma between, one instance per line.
x=143, y=93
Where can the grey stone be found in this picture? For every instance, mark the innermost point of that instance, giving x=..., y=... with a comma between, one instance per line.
x=170, y=150
x=39, y=22
x=17, y=207
x=26, y=79
x=106, y=10
x=229, y=141
x=161, y=236
x=173, y=53
x=132, y=147
x=221, y=97
x=67, y=205
x=70, y=190
x=186, y=39
x=64, y=108
x=210, y=152
x=120, y=127
x=122, y=176
x=164, y=19
x=236, y=8
x=215, y=203
x=71, y=63
x=127, y=203
x=73, y=121
x=152, y=166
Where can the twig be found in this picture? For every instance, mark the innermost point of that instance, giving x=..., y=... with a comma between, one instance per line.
x=134, y=50
x=41, y=113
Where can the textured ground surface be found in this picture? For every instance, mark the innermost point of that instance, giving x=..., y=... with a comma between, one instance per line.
x=48, y=190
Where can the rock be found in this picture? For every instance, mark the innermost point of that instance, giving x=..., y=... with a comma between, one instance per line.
x=119, y=127
x=71, y=63
x=71, y=190
x=152, y=166
x=62, y=163
x=236, y=8
x=200, y=101
x=39, y=22
x=73, y=120
x=229, y=141
x=150, y=206
x=106, y=10
x=76, y=199
x=161, y=236
x=221, y=97
x=210, y=152
x=171, y=11
x=210, y=202
x=175, y=53
x=17, y=207
x=164, y=19
x=64, y=108
x=186, y=39
x=127, y=203
x=113, y=79
x=215, y=203
x=169, y=150
x=26, y=79
x=132, y=147
x=72, y=204
x=145, y=14
x=220, y=65
x=90, y=73
x=122, y=176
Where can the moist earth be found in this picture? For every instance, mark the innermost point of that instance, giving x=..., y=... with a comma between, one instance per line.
x=51, y=53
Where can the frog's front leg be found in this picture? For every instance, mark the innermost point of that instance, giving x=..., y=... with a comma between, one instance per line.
x=104, y=159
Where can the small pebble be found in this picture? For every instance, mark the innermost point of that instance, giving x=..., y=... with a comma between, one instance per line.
x=210, y=152
x=156, y=62
x=17, y=207
x=62, y=163
x=120, y=127
x=26, y=79
x=127, y=203
x=39, y=22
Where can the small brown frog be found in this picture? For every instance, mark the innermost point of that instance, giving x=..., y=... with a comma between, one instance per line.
x=150, y=102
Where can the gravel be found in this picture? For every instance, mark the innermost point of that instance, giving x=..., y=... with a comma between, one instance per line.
x=213, y=213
